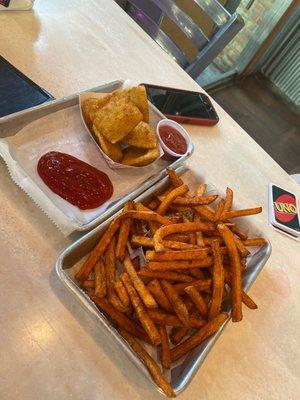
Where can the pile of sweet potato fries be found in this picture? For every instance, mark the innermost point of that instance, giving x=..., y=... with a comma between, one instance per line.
x=195, y=258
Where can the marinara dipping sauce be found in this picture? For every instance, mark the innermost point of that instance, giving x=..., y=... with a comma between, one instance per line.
x=74, y=180
x=173, y=139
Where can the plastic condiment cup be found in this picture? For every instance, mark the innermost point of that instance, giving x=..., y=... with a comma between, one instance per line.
x=169, y=154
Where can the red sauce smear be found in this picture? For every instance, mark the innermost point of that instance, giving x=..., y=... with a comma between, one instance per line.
x=74, y=180
x=173, y=139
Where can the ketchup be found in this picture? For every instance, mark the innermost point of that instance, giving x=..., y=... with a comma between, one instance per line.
x=173, y=139
x=74, y=180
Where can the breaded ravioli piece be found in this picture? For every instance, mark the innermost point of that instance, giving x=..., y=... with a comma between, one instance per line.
x=112, y=150
x=139, y=157
x=138, y=96
x=88, y=107
x=116, y=119
x=142, y=136
x=91, y=105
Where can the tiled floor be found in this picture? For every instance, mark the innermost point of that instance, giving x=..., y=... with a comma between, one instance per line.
x=266, y=118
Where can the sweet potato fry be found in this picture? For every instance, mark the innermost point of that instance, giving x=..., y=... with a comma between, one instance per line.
x=178, y=333
x=121, y=320
x=100, y=279
x=208, y=240
x=180, y=209
x=178, y=305
x=194, y=201
x=201, y=285
x=89, y=291
x=240, y=213
x=179, y=228
x=94, y=256
x=170, y=197
x=193, y=341
x=255, y=242
x=176, y=218
x=110, y=267
x=122, y=294
x=139, y=285
x=178, y=237
x=179, y=265
x=201, y=189
x=155, y=289
x=199, y=239
x=173, y=245
x=228, y=200
x=146, y=216
x=235, y=268
x=152, y=366
x=247, y=300
x=219, y=210
x=165, y=347
x=141, y=312
x=205, y=211
x=197, y=300
x=110, y=273
x=124, y=233
x=163, y=318
x=137, y=227
x=197, y=273
x=142, y=241
x=238, y=232
x=168, y=275
x=89, y=283
x=174, y=178
x=117, y=304
x=218, y=281
x=169, y=244
x=153, y=225
x=241, y=247
x=183, y=255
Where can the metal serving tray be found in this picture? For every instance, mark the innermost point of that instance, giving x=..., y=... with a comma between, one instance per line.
x=11, y=124
x=70, y=260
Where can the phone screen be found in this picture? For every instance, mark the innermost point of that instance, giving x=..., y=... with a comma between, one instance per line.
x=180, y=103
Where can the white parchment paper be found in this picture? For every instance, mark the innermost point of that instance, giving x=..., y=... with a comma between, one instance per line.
x=64, y=131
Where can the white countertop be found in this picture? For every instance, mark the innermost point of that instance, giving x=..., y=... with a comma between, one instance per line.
x=50, y=347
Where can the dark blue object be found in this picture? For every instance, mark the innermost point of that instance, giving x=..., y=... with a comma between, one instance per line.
x=18, y=92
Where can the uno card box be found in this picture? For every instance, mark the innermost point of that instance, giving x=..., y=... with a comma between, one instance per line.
x=284, y=211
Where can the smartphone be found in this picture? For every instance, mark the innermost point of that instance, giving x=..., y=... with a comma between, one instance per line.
x=182, y=106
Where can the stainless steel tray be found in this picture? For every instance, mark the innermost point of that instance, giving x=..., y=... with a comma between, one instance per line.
x=11, y=124
x=70, y=259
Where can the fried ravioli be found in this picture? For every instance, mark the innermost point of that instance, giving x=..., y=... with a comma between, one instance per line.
x=139, y=157
x=113, y=151
x=142, y=136
x=116, y=119
x=138, y=96
x=91, y=106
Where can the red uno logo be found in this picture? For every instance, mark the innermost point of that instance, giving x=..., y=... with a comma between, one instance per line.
x=285, y=208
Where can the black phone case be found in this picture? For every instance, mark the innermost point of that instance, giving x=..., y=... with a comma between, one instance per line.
x=17, y=91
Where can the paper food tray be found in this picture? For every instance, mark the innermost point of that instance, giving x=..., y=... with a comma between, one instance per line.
x=154, y=117
x=58, y=127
